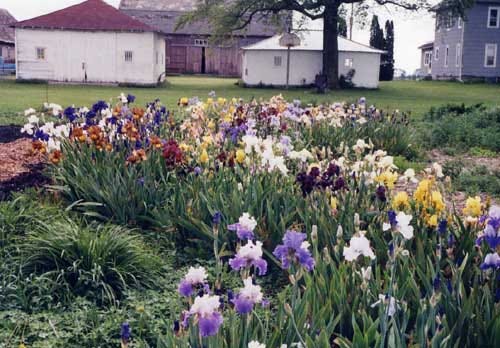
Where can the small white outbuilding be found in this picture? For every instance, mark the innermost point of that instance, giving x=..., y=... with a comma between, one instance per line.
x=91, y=42
x=265, y=62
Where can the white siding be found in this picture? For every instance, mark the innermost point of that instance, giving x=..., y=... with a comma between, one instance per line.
x=100, y=56
x=259, y=68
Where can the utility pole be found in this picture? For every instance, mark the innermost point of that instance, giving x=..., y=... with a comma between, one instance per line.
x=351, y=21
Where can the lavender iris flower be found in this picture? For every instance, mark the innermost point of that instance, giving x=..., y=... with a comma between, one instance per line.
x=294, y=249
x=249, y=255
x=491, y=261
x=209, y=325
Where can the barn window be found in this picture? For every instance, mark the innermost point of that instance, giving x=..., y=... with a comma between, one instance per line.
x=40, y=53
x=277, y=61
x=129, y=56
x=490, y=56
x=157, y=58
x=458, y=55
x=348, y=62
x=201, y=42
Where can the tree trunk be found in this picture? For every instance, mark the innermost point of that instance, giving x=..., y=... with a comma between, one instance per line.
x=331, y=45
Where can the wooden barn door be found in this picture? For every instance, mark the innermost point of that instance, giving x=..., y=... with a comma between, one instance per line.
x=177, y=59
x=230, y=64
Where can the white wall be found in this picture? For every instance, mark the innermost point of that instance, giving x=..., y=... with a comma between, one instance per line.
x=100, y=55
x=258, y=67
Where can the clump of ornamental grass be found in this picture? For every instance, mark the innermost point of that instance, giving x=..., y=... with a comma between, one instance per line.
x=97, y=262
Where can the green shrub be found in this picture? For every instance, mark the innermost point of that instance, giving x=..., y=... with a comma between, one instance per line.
x=98, y=263
x=462, y=128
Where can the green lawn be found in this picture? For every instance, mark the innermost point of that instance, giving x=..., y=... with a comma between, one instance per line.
x=413, y=96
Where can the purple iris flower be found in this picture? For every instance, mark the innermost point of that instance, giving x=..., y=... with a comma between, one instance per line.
x=125, y=332
x=392, y=217
x=244, y=227
x=491, y=261
x=239, y=263
x=249, y=255
x=130, y=98
x=293, y=250
x=99, y=106
x=70, y=113
x=209, y=325
x=491, y=236
x=241, y=232
x=40, y=135
x=157, y=119
x=216, y=218
x=185, y=288
x=243, y=305
x=443, y=225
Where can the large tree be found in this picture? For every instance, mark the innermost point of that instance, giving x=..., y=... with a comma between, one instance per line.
x=376, y=34
x=228, y=16
x=387, y=68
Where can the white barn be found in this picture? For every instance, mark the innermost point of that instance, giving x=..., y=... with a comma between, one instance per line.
x=264, y=63
x=91, y=42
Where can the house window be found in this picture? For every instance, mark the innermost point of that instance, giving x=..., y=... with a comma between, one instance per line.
x=490, y=56
x=40, y=53
x=348, y=63
x=201, y=42
x=449, y=21
x=277, y=61
x=446, y=56
x=427, y=58
x=437, y=53
x=458, y=55
x=157, y=57
x=129, y=56
x=493, y=17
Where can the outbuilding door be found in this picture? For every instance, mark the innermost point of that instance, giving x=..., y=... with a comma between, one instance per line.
x=177, y=59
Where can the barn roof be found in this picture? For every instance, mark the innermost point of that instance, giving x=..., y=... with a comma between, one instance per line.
x=95, y=15
x=6, y=32
x=163, y=15
x=311, y=40
x=158, y=5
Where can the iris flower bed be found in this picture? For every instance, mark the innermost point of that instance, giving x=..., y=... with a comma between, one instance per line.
x=361, y=254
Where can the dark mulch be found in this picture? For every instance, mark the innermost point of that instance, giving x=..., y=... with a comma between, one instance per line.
x=11, y=133
x=32, y=178
x=20, y=168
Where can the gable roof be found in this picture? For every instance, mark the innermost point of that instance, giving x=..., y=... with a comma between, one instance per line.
x=311, y=40
x=163, y=15
x=95, y=15
x=166, y=21
x=158, y=5
x=6, y=32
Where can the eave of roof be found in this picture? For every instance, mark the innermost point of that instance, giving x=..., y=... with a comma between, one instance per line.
x=91, y=15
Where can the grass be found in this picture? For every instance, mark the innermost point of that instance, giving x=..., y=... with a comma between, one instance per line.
x=414, y=96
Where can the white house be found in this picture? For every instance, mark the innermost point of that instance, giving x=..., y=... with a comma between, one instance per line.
x=265, y=62
x=91, y=42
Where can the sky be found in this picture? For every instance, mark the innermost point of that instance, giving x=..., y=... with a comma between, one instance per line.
x=411, y=29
